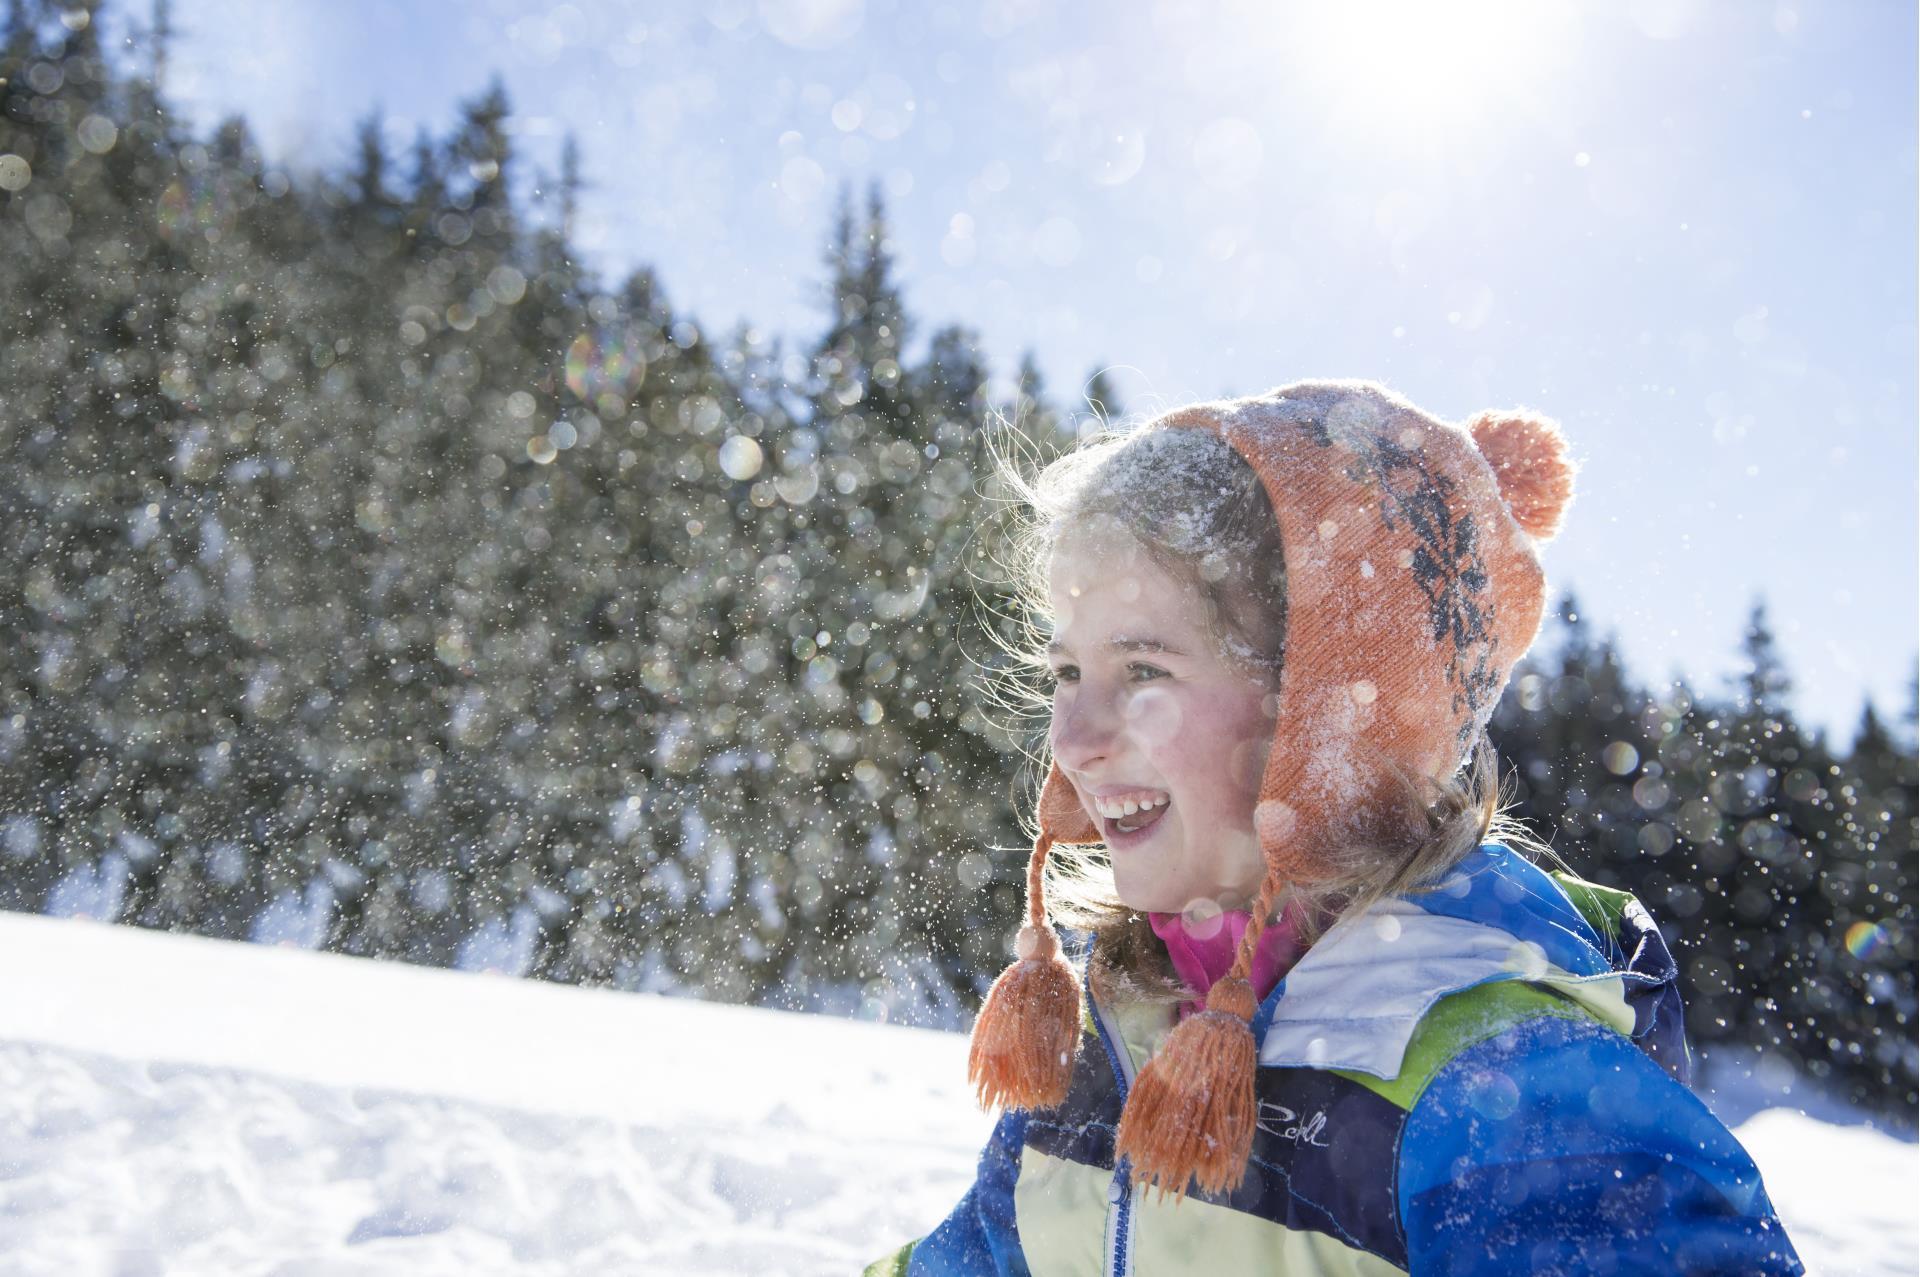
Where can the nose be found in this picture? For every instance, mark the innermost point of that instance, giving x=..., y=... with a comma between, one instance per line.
x=1086, y=728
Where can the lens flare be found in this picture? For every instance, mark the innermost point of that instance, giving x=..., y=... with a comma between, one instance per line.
x=605, y=361
x=1865, y=939
x=196, y=204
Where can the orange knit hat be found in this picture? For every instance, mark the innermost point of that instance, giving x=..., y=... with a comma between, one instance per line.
x=1413, y=586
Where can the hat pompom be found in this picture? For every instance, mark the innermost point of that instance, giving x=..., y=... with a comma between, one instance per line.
x=1528, y=454
x=1024, y=1038
x=1191, y=1113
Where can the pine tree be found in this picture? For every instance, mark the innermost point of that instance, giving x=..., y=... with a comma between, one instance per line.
x=1912, y=715
x=483, y=161
x=378, y=564
x=1764, y=686
x=427, y=190
x=953, y=379
x=571, y=184
x=370, y=171
x=1870, y=969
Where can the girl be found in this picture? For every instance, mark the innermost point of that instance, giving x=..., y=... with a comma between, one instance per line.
x=1321, y=1016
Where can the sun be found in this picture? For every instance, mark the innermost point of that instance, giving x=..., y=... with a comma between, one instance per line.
x=1417, y=68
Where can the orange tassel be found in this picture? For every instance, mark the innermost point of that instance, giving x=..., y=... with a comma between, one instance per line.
x=1024, y=1038
x=1191, y=1113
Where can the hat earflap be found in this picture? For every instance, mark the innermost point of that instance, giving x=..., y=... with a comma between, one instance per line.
x=1024, y=1039
x=1191, y=1114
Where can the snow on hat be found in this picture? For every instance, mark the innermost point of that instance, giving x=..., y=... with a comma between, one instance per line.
x=1414, y=586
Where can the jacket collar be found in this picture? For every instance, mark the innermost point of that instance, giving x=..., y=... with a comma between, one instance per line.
x=1354, y=1001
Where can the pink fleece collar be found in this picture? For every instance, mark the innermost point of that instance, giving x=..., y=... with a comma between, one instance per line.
x=1202, y=954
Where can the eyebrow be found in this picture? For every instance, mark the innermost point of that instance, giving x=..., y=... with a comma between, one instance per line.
x=1122, y=644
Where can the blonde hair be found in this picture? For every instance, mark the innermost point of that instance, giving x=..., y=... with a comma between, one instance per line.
x=1199, y=511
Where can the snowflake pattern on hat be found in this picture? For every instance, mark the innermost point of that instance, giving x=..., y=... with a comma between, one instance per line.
x=1446, y=563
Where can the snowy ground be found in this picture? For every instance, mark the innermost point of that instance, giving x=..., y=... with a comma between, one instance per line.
x=171, y=1105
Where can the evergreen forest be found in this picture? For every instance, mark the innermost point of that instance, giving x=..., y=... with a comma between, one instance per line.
x=381, y=579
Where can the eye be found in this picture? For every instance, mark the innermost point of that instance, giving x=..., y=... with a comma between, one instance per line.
x=1064, y=674
x=1143, y=672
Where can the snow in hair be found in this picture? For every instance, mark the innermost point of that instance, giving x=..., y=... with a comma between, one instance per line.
x=1195, y=505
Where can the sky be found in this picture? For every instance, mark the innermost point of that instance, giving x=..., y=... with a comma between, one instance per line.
x=1685, y=230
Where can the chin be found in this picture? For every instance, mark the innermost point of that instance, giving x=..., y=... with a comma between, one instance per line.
x=1149, y=897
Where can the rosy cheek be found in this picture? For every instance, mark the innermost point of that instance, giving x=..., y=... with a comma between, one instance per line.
x=1155, y=718
x=1057, y=722
x=1247, y=763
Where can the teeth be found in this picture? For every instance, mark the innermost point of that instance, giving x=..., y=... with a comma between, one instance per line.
x=1116, y=808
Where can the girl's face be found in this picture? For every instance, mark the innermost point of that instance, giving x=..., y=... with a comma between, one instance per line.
x=1164, y=741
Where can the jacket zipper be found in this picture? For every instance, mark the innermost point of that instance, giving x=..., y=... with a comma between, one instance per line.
x=1120, y=1192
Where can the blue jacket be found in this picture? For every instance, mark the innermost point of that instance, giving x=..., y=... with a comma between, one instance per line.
x=1488, y=1077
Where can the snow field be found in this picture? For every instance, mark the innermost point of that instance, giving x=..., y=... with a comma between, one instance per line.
x=137, y=1170
x=173, y=1107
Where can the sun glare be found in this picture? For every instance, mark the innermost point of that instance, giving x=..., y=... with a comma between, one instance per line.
x=1420, y=67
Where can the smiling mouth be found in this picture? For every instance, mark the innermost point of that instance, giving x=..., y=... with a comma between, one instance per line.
x=1131, y=815
x=1136, y=823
